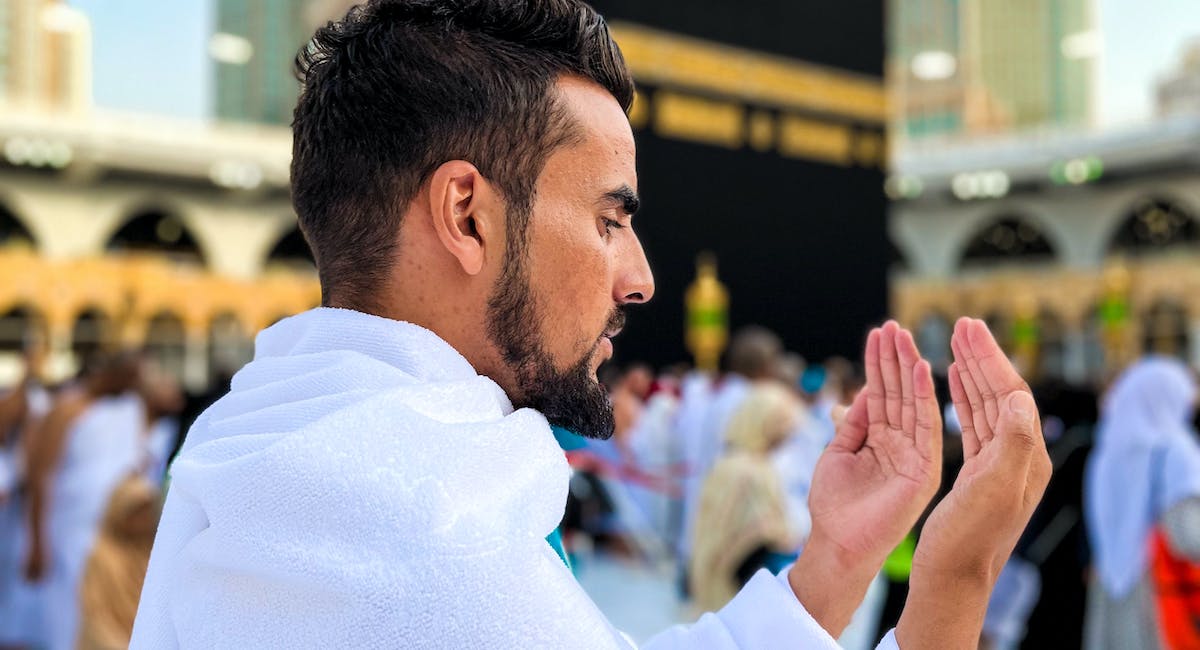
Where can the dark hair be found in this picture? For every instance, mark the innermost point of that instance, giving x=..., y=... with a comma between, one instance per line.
x=399, y=87
x=754, y=351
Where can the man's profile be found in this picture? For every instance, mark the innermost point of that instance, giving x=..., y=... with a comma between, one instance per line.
x=383, y=473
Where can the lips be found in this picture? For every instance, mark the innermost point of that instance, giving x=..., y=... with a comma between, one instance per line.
x=606, y=347
x=616, y=323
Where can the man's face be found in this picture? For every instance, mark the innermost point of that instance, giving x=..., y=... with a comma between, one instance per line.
x=558, y=302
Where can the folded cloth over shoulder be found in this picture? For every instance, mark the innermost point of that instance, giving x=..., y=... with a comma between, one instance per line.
x=361, y=486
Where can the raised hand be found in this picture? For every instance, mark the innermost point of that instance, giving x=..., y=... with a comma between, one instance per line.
x=874, y=479
x=970, y=535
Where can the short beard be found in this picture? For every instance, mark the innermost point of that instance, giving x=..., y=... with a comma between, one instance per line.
x=571, y=399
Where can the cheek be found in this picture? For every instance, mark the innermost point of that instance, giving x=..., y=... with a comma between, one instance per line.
x=576, y=291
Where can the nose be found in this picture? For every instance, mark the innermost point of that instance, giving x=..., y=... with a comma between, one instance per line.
x=635, y=281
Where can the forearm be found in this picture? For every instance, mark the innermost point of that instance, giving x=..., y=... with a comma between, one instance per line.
x=37, y=500
x=944, y=613
x=12, y=411
x=830, y=585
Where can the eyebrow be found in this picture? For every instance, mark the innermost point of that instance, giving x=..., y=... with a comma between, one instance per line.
x=624, y=197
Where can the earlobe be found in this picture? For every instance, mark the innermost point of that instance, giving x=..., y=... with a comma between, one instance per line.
x=457, y=202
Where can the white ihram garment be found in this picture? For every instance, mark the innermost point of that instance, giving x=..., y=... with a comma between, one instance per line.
x=102, y=446
x=362, y=486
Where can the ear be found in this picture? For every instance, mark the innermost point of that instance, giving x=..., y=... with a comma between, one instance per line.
x=466, y=213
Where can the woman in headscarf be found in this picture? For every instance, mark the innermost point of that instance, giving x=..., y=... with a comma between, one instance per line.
x=742, y=521
x=1143, y=498
x=112, y=581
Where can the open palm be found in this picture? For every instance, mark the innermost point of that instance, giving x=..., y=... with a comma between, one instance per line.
x=884, y=463
x=1005, y=465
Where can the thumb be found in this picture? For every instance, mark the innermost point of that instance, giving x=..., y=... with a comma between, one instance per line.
x=850, y=424
x=1016, y=432
x=838, y=414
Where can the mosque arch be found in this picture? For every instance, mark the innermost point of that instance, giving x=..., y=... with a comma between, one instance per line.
x=1165, y=328
x=230, y=346
x=1052, y=351
x=1007, y=238
x=12, y=231
x=91, y=332
x=1152, y=224
x=19, y=325
x=291, y=252
x=155, y=229
x=165, y=342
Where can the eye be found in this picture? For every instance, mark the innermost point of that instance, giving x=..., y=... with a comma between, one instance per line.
x=610, y=225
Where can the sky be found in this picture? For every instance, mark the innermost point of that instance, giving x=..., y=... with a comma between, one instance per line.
x=151, y=55
x=1144, y=40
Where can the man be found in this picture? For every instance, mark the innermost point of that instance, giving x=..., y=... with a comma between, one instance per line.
x=87, y=443
x=464, y=173
x=21, y=409
x=162, y=401
x=753, y=358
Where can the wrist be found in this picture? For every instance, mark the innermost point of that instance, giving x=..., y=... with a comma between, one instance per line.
x=945, y=608
x=974, y=576
x=830, y=582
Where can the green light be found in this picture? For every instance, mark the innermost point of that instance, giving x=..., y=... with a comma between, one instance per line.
x=1058, y=173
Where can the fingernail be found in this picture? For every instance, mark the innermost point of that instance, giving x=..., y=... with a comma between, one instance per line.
x=1021, y=404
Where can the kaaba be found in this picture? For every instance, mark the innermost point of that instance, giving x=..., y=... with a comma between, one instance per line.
x=760, y=135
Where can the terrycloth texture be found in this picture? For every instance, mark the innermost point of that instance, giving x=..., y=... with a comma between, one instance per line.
x=743, y=506
x=112, y=580
x=361, y=487
x=1146, y=461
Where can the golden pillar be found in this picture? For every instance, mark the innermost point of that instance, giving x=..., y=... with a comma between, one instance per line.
x=1116, y=331
x=707, y=303
x=1026, y=335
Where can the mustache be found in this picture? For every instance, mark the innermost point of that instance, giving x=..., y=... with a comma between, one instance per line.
x=616, y=322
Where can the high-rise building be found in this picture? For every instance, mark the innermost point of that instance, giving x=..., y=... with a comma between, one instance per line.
x=254, y=48
x=1179, y=93
x=970, y=67
x=45, y=56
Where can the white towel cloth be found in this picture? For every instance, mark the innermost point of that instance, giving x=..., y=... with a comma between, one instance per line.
x=361, y=486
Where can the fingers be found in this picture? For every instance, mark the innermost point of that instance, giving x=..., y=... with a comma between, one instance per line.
x=976, y=412
x=876, y=411
x=987, y=396
x=838, y=414
x=856, y=413
x=928, y=419
x=889, y=364
x=908, y=356
x=970, y=439
x=994, y=366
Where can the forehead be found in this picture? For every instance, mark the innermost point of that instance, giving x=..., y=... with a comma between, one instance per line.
x=605, y=149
